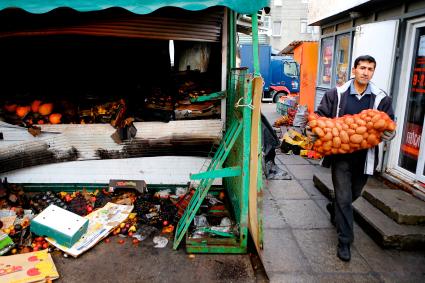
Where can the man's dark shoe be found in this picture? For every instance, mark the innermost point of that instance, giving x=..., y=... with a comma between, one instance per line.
x=330, y=208
x=343, y=252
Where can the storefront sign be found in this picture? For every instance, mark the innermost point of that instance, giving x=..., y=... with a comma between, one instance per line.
x=412, y=140
x=418, y=79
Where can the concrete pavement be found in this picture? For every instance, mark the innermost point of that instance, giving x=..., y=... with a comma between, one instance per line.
x=300, y=242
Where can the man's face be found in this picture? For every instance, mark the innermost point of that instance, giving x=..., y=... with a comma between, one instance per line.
x=363, y=73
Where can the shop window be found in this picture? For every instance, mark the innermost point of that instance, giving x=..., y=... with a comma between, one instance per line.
x=277, y=28
x=341, y=59
x=305, y=28
x=415, y=112
x=326, y=61
x=267, y=22
x=303, y=24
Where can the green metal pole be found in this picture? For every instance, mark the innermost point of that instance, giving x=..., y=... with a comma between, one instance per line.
x=231, y=63
x=255, y=45
x=232, y=39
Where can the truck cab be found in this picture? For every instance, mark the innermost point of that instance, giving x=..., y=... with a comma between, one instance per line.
x=284, y=78
x=281, y=74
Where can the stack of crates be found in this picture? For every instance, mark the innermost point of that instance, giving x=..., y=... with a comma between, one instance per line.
x=284, y=103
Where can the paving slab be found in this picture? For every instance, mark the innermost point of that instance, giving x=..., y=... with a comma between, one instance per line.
x=397, y=204
x=287, y=189
x=302, y=171
x=321, y=169
x=322, y=205
x=272, y=217
x=310, y=188
x=314, y=161
x=293, y=278
x=319, y=246
x=290, y=159
x=284, y=168
x=278, y=160
x=384, y=230
x=267, y=195
x=348, y=278
x=303, y=214
x=281, y=253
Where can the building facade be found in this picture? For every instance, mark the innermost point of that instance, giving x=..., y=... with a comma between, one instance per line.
x=287, y=21
x=394, y=33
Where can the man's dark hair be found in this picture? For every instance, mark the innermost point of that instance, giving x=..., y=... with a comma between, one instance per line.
x=367, y=58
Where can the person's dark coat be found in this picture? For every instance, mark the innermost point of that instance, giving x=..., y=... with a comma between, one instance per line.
x=333, y=104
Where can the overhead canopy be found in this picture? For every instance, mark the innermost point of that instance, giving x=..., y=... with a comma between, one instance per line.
x=135, y=6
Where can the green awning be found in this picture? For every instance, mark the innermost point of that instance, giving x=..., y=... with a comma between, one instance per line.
x=135, y=6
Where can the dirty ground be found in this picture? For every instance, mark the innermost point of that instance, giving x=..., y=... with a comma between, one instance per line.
x=114, y=262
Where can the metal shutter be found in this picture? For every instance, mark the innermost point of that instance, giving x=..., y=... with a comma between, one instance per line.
x=166, y=23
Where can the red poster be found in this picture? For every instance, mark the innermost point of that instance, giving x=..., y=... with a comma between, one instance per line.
x=412, y=140
x=418, y=79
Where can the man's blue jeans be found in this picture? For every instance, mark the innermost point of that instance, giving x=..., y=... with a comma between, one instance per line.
x=348, y=179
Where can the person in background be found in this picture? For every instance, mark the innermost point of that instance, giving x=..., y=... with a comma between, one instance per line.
x=350, y=171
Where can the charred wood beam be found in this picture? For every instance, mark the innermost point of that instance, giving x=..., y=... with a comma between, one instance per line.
x=32, y=154
x=201, y=147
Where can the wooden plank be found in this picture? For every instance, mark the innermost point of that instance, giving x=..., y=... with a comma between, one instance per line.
x=66, y=142
x=101, y=132
x=257, y=88
x=167, y=170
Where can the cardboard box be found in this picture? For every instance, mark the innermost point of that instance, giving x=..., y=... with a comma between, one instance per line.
x=138, y=185
x=60, y=224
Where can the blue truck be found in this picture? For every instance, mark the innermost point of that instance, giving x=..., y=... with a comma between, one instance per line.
x=280, y=73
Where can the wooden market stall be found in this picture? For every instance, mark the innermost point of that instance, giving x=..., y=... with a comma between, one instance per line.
x=69, y=53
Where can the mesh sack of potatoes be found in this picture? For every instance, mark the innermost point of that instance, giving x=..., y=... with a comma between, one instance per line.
x=349, y=133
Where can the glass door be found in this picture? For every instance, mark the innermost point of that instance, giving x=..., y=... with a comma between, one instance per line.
x=325, y=76
x=341, y=59
x=412, y=151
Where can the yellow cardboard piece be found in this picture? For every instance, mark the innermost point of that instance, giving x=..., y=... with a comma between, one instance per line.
x=295, y=138
x=29, y=267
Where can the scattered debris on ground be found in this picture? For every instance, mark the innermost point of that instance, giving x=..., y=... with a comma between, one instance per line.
x=38, y=223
